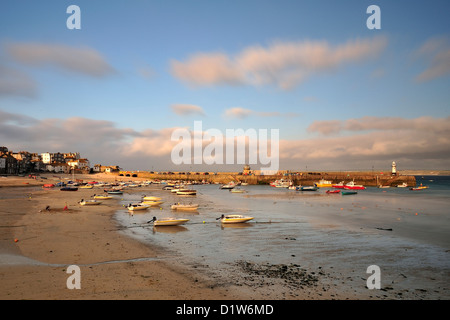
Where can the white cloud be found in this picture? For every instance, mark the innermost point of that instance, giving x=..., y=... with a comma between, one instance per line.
x=284, y=64
x=436, y=52
x=187, y=109
x=86, y=61
x=242, y=113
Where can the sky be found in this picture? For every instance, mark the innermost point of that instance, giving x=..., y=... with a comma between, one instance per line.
x=341, y=95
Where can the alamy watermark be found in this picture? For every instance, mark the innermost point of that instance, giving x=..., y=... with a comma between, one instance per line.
x=236, y=146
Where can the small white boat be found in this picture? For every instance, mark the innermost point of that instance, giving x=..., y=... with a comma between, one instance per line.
x=180, y=206
x=89, y=202
x=238, y=190
x=139, y=206
x=234, y=218
x=403, y=185
x=187, y=192
x=168, y=221
x=230, y=185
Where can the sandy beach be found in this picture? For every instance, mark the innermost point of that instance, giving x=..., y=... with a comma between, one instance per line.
x=37, y=246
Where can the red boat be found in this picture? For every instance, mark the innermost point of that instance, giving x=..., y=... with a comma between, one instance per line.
x=333, y=191
x=48, y=185
x=339, y=185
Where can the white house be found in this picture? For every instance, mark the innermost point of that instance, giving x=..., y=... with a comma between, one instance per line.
x=58, y=167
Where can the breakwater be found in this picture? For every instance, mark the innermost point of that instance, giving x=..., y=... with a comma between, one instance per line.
x=302, y=178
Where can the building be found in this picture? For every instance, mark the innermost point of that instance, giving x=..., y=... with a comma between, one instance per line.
x=48, y=157
x=58, y=167
x=9, y=164
x=80, y=164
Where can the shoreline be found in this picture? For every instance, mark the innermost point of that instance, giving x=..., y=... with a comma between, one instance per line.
x=116, y=266
x=113, y=265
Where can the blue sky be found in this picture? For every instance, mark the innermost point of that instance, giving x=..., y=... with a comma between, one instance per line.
x=339, y=93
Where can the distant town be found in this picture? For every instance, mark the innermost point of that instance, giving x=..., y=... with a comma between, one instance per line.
x=24, y=162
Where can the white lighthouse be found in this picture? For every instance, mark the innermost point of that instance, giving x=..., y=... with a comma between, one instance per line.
x=394, y=169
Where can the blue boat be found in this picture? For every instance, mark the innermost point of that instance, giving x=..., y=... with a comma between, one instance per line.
x=307, y=188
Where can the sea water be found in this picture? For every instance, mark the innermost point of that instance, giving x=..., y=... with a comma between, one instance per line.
x=406, y=233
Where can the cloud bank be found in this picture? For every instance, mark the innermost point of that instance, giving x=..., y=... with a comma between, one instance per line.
x=283, y=64
x=415, y=143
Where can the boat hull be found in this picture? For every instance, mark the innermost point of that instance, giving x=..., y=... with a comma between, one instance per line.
x=170, y=222
x=235, y=219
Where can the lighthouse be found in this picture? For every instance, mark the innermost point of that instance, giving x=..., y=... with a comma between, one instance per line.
x=394, y=169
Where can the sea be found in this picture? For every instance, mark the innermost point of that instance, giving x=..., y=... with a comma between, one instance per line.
x=405, y=233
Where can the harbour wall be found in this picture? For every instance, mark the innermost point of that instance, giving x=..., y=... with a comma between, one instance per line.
x=302, y=178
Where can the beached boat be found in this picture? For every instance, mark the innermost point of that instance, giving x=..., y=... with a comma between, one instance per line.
x=152, y=203
x=48, y=185
x=322, y=183
x=151, y=198
x=102, y=197
x=333, y=191
x=115, y=192
x=87, y=186
x=403, y=185
x=234, y=218
x=348, y=192
x=89, y=202
x=186, y=207
x=187, y=192
x=168, y=221
x=352, y=186
x=138, y=206
x=68, y=189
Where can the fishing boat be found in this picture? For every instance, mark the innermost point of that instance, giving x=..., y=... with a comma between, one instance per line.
x=352, y=186
x=324, y=183
x=89, y=202
x=138, y=206
x=187, y=192
x=333, y=191
x=69, y=189
x=234, y=218
x=281, y=183
x=167, y=221
x=349, y=192
x=102, y=197
x=339, y=185
x=187, y=207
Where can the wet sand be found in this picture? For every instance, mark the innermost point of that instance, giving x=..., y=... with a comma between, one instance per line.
x=112, y=265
